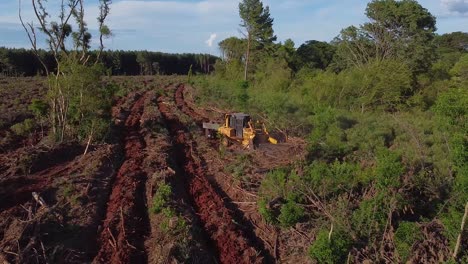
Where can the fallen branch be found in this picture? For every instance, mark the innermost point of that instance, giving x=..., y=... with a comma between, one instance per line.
x=244, y=202
x=39, y=199
x=122, y=222
x=462, y=227
x=11, y=253
x=89, y=142
x=275, y=250
x=114, y=244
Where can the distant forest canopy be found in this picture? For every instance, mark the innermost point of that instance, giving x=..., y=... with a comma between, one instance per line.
x=23, y=62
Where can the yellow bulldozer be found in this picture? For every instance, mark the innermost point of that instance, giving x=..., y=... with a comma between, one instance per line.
x=239, y=127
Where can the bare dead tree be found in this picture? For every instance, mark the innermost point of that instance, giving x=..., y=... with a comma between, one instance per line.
x=57, y=33
x=104, y=30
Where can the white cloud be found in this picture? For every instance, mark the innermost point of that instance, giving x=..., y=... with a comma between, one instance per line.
x=210, y=41
x=455, y=7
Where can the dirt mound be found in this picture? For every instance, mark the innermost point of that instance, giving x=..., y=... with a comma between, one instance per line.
x=37, y=174
x=126, y=221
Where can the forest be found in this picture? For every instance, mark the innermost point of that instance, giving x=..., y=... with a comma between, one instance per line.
x=374, y=168
x=23, y=62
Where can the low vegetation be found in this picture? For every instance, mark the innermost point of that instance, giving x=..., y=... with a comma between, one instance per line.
x=386, y=133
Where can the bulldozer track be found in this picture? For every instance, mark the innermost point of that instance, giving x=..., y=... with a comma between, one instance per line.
x=185, y=108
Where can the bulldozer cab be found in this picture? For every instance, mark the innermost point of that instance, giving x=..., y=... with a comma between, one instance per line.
x=238, y=121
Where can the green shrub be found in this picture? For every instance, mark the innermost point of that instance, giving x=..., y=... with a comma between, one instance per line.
x=23, y=128
x=451, y=220
x=39, y=108
x=453, y=104
x=172, y=222
x=369, y=219
x=274, y=184
x=161, y=198
x=291, y=213
x=265, y=212
x=239, y=166
x=330, y=251
x=389, y=169
x=406, y=234
x=331, y=179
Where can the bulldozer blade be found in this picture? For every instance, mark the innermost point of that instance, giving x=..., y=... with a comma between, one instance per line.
x=273, y=141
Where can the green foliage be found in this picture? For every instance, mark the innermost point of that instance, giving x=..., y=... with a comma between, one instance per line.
x=369, y=219
x=455, y=41
x=257, y=21
x=389, y=169
x=24, y=128
x=258, y=25
x=23, y=62
x=314, y=54
x=384, y=110
x=39, y=108
x=406, y=235
x=68, y=190
x=266, y=212
x=460, y=69
x=451, y=220
x=279, y=194
x=330, y=251
x=232, y=48
x=291, y=213
x=243, y=96
x=239, y=166
x=397, y=29
x=160, y=198
x=172, y=223
x=332, y=179
x=274, y=184
x=374, y=84
x=88, y=99
x=453, y=104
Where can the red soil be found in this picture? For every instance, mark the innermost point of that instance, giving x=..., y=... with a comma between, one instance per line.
x=126, y=223
x=231, y=243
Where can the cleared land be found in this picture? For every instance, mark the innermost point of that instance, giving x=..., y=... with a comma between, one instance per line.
x=160, y=192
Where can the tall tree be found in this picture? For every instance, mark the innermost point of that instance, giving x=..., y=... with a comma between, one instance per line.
x=401, y=30
x=455, y=41
x=258, y=27
x=314, y=54
x=232, y=48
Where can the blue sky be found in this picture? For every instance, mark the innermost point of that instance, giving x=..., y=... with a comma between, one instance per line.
x=198, y=25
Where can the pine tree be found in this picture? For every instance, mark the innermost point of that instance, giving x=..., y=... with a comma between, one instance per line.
x=258, y=26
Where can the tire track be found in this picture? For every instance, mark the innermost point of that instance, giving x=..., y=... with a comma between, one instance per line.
x=126, y=223
x=232, y=245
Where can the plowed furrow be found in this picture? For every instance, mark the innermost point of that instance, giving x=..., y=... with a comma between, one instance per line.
x=186, y=109
x=126, y=223
x=231, y=244
x=247, y=226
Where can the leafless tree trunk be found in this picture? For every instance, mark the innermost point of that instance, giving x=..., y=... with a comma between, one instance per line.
x=247, y=56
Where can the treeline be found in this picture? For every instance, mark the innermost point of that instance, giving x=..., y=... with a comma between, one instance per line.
x=384, y=107
x=23, y=62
